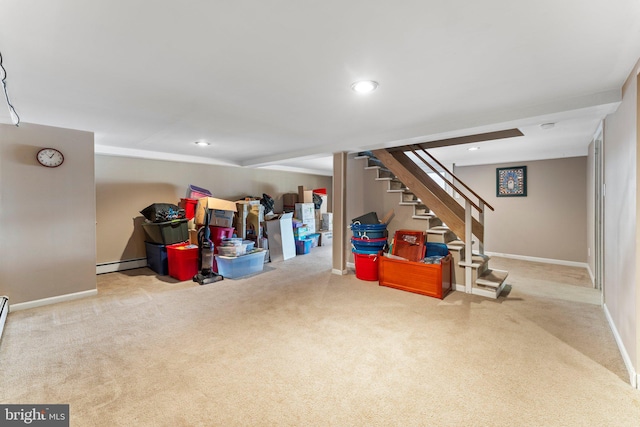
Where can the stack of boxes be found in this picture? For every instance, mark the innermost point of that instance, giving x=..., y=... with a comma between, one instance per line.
x=249, y=220
x=326, y=229
x=305, y=234
x=249, y=223
x=306, y=214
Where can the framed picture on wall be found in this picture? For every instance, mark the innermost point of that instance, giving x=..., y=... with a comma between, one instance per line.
x=511, y=182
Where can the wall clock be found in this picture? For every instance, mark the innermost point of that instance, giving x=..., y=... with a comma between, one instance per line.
x=50, y=157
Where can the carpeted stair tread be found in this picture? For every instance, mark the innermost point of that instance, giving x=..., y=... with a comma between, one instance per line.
x=456, y=245
x=439, y=229
x=423, y=216
x=492, y=278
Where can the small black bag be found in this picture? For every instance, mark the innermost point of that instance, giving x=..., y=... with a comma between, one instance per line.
x=268, y=203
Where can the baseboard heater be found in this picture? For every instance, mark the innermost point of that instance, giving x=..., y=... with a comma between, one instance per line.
x=4, y=311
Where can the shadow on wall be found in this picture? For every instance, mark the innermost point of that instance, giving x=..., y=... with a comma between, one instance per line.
x=25, y=154
x=136, y=240
x=119, y=233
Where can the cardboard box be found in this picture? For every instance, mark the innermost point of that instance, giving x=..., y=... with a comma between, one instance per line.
x=289, y=201
x=255, y=223
x=327, y=221
x=193, y=237
x=221, y=211
x=249, y=218
x=304, y=196
x=326, y=238
x=305, y=212
x=279, y=230
x=311, y=226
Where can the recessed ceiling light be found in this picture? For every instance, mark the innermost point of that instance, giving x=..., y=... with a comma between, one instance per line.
x=364, y=86
x=202, y=143
x=549, y=125
x=473, y=148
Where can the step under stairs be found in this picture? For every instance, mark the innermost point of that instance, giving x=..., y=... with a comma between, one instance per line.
x=485, y=281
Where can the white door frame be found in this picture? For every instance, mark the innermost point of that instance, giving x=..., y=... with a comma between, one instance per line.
x=599, y=213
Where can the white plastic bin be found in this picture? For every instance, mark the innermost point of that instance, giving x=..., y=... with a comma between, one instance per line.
x=234, y=267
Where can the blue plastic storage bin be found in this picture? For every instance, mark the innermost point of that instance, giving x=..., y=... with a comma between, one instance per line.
x=372, y=231
x=437, y=249
x=368, y=244
x=157, y=259
x=366, y=251
x=315, y=239
x=303, y=246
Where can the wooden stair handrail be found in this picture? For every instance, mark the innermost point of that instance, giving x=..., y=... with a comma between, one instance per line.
x=447, y=181
x=455, y=177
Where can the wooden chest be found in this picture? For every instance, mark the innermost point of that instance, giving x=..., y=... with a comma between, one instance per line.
x=433, y=280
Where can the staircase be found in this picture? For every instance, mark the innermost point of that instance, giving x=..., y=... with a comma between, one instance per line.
x=446, y=221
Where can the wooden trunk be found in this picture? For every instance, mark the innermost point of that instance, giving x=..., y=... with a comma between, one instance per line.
x=433, y=280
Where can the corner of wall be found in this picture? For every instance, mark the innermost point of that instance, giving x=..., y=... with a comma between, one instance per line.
x=634, y=377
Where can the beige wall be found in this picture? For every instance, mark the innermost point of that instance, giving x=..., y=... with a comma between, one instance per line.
x=47, y=215
x=124, y=186
x=621, y=219
x=550, y=222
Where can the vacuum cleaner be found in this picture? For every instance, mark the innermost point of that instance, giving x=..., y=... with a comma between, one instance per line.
x=206, y=248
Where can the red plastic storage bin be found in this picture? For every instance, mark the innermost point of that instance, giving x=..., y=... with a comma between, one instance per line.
x=189, y=206
x=366, y=266
x=183, y=261
x=219, y=233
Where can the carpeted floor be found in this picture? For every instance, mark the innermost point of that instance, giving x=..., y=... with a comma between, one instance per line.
x=298, y=346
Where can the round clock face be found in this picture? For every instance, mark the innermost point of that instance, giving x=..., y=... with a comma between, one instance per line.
x=50, y=157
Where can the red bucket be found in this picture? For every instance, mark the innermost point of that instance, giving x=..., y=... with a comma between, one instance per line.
x=366, y=266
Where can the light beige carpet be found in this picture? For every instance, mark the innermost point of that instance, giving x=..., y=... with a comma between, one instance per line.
x=298, y=346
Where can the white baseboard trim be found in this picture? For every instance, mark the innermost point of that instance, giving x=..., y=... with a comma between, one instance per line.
x=634, y=377
x=4, y=312
x=593, y=278
x=482, y=292
x=349, y=265
x=130, y=264
x=545, y=260
x=52, y=300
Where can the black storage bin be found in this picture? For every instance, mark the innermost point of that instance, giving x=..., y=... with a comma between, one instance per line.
x=157, y=258
x=167, y=233
x=368, y=218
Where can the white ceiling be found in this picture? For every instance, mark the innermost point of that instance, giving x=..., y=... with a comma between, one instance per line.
x=267, y=83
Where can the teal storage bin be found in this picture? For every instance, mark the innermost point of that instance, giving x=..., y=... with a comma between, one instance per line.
x=315, y=239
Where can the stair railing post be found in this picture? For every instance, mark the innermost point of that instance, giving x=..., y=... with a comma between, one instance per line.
x=481, y=221
x=468, y=259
